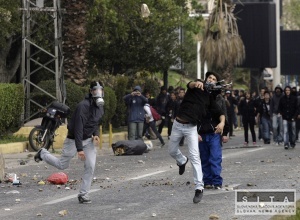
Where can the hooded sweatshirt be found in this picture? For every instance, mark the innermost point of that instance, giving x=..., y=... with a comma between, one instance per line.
x=288, y=107
x=135, y=105
x=275, y=101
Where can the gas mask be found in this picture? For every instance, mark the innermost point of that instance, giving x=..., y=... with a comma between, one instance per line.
x=98, y=94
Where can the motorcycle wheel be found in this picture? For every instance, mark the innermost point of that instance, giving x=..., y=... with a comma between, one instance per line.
x=35, y=141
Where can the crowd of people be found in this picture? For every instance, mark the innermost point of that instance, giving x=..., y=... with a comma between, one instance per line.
x=140, y=118
x=275, y=113
x=198, y=115
x=193, y=115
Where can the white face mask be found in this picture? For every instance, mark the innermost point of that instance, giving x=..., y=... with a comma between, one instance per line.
x=98, y=94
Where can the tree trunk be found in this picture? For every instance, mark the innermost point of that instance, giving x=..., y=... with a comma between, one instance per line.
x=166, y=79
x=227, y=73
x=74, y=40
x=256, y=80
x=9, y=69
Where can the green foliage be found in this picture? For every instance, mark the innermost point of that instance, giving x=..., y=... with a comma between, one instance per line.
x=152, y=86
x=10, y=20
x=110, y=106
x=291, y=16
x=241, y=78
x=120, y=90
x=122, y=41
x=75, y=94
x=11, y=106
x=10, y=138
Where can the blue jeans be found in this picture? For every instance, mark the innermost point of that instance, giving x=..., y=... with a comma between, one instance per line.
x=211, y=158
x=189, y=132
x=277, y=128
x=266, y=125
x=289, y=132
x=68, y=152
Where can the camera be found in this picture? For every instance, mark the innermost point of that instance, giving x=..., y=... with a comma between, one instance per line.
x=216, y=87
x=136, y=92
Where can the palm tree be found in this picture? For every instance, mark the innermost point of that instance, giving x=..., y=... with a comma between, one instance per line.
x=222, y=46
x=75, y=44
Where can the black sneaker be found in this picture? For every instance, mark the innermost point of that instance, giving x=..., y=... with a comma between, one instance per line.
x=198, y=196
x=218, y=186
x=84, y=200
x=182, y=167
x=37, y=156
x=286, y=146
x=162, y=145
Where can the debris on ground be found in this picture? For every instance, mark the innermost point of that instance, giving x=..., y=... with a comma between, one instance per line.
x=63, y=212
x=213, y=217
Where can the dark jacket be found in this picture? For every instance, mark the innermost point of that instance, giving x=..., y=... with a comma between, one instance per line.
x=288, y=107
x=195, y=104
x=230, y=109
x=208, y=124
x=171, y=108
x=222, y=103
x=85, y=121
x=161, y=103
x=275, y=101
x=264, y=109
x=247, y=109
x=212, y=119
x=135, y=105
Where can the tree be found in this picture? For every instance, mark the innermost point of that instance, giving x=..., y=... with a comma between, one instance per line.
x=222, y=46
x=10, y=42
x=291, y=15
x=75, y=40
x=122, y=41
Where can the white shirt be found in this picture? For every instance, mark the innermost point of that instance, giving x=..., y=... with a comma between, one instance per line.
x=148, y=112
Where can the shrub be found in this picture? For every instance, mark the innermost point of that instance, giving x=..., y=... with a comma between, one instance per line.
x=11, y=106
x=110, y=104
x=120, y=90
x=74, y=94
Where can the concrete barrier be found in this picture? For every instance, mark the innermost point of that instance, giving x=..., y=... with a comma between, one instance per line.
x=58, y=141
x=13, y=148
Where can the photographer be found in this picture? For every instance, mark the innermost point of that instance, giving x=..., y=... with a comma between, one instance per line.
x=135, y=102
x=212, y=132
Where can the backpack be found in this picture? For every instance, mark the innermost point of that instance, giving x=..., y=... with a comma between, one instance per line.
x=154, y=113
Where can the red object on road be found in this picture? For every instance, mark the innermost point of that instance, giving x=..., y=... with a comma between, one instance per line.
x=58, y=178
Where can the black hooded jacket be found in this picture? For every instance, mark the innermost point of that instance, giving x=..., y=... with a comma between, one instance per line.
x=288, y=107
x=195, y=104
x=275, y=101
x=85, y=121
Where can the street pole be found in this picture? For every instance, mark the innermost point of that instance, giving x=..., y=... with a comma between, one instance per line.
x=198, y=60
x=277, y=70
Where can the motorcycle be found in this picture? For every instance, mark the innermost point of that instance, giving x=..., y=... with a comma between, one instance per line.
x=42, y=136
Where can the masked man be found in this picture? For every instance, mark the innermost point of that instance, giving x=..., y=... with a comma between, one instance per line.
x=83, y=135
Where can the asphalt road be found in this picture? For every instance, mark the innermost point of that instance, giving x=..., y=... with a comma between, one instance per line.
x=147, y=186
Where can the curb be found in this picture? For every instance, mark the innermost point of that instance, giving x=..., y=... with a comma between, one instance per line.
x=19, y=147
x=13, y=148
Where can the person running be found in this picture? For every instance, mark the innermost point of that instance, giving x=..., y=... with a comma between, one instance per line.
x=83, y=135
